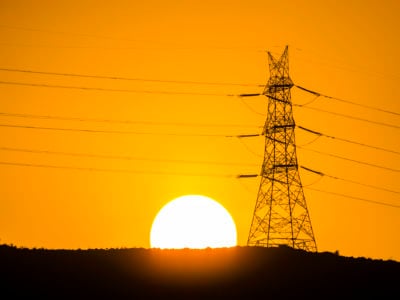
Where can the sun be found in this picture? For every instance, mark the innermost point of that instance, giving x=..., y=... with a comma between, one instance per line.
x=193, y=221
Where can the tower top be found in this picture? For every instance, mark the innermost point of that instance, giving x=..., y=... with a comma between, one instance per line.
x=279, y=73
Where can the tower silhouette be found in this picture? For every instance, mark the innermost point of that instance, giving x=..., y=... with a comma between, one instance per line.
x=280, y=216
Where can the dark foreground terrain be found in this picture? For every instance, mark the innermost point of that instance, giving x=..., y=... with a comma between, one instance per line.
x=231, y=273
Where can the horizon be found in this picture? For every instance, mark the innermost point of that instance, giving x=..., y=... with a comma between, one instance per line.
x=207, y=250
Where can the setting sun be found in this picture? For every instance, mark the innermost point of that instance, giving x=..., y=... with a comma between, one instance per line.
x=193, y=222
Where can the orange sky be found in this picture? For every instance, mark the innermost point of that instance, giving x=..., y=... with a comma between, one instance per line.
x=346, y=49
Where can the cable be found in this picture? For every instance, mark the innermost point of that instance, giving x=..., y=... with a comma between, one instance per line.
x=351, y=181
x=249, y=149
x=241, y=48
x=121, y=157
x=66, y=33
x=309, y=102
x=346, y=140
x=111, y=131
x=348, y=101
x=353, y=197
x=58, y=46
x=348, y=67
x=250, y=108
x=352, y=160
x=363, y=184
x=319, y=134
x=328, y=192
x=111, y=90
x=79, y=119
x=312, y=183
x=348, y=116
x=246, y=188
x=114, y=170
x=327, y=111
x=310, y=142
x=126, y=78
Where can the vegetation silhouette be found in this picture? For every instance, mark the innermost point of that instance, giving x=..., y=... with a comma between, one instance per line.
x=225, y=273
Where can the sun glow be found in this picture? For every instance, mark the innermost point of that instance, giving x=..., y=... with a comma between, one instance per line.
x=193, y=222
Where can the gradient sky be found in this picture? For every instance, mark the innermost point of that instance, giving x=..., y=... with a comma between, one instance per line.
x=346, y=49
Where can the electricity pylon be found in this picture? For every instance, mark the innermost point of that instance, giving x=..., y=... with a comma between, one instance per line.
x=280, y=216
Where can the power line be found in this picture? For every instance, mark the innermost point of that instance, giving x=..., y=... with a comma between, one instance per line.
x=249, y=107
x=319, y=134
x=129, y=171
x=127, y=78
x=66, y=33
x=312, y=183
x=121, y=157
x=347, y=101
x=249, y=149
x=327, y=192
x=309, y=102
x=160, y=43
x=347, y=140
x=112, y=90
x=348, y=116
x=348, y=66
x=111, y=131
x=363, y=184
x=353, y=197
x=58, y=46
x=348, y=180
x=352, y=160
x=175, y=45
x=326, y=111
x=312, y=141
x=80, y=119
x=138, y=47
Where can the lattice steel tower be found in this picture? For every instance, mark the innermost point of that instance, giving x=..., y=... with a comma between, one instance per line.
x=280, y=216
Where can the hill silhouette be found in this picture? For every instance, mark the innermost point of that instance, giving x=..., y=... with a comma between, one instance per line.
x=226, y=273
